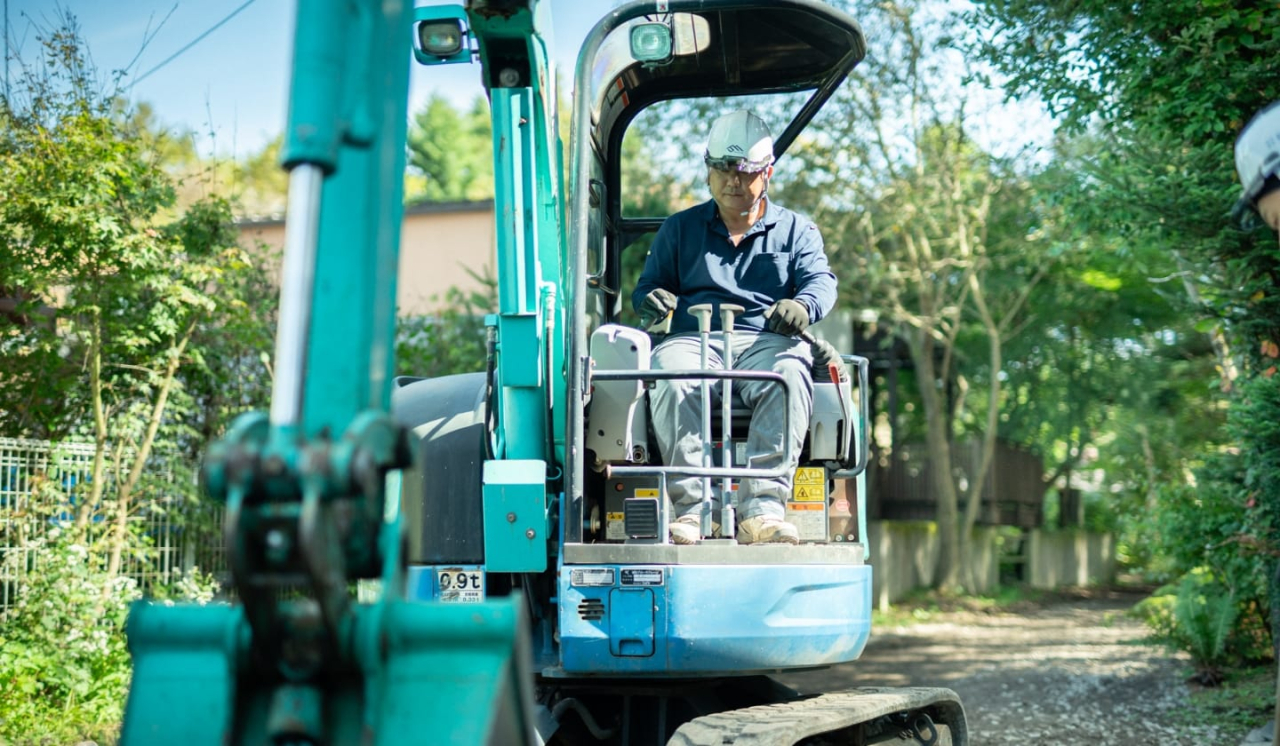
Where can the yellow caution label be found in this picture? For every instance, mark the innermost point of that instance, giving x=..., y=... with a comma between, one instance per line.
x=810, y=484
x=615, y=516
x=808, y=493
x=646, y=492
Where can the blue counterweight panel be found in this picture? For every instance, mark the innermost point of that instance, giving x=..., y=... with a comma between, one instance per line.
x=715, y=619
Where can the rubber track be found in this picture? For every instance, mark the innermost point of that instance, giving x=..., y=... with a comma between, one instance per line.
x=787, y=723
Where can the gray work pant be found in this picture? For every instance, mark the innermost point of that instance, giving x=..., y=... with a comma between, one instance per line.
x=677, y=414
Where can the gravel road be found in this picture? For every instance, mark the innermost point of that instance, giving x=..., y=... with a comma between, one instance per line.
x=1067, y=672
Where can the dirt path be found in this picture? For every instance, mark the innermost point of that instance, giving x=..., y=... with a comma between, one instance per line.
x=1067, y=672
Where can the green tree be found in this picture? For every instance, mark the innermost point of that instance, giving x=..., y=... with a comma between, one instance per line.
x=258, y=184
x=450, y=152
x=79, y=205
x=651, y=187
x=931, y=232
x=120, y=301
x=1167, y=86
x=1115, y=375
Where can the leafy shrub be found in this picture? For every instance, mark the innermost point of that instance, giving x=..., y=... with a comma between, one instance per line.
x=64, y=666
x=1199, y=616
x=453, y=339
x=1219, y=530
x=64, y=661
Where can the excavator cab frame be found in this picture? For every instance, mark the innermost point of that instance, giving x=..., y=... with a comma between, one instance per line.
x=720, y=48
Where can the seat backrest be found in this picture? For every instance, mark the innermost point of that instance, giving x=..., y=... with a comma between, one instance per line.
x=617, y=420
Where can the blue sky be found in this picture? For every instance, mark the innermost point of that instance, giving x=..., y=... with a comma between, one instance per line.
x=232, y=87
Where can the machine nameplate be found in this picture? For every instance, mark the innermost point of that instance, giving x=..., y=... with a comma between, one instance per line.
x=592, y=577
x=460, y=586
x=642, y=576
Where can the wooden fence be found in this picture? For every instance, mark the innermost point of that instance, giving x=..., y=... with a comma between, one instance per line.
x=901, y=487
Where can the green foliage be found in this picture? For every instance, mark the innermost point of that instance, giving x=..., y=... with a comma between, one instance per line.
x=1198, y=616
x=453, y=339
x=64, y=665
x=1215, y=524
x=259, y=184
x=650, y=188
x=1204, y=616
x=63, y=662
x=76, y=206
x=1152, y=97
x=1226, y=521
x=1245, y=699
x=83, y=233
x=450, y=153
x=136, y=298
x=1256, y=424
x=131, y=315
x=1189, y=67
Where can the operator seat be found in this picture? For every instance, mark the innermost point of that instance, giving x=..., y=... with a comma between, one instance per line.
x=618, y=420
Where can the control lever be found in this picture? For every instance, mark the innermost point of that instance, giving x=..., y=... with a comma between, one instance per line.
x=728, y=516
x=702, y=312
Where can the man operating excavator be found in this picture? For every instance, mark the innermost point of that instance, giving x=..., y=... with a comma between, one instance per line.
x=740, y=248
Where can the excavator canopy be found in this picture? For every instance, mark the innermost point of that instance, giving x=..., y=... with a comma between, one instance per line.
x=722, y=49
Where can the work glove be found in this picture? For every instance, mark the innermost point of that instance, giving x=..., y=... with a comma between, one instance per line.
x=787, y=317
x=824, y=355
x=658, y=303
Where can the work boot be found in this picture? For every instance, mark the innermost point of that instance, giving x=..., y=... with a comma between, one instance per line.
x=764, y=529
x=685, y=529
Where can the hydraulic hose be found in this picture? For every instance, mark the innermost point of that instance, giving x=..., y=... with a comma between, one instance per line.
x=570, y=703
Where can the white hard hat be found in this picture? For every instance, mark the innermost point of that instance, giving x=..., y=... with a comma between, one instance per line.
x=1258, y=153
x=740, y=139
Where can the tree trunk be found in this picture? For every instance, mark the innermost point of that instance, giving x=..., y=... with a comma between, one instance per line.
x=124, y=491
x=84, y=511
x=948, y=571
x=978, y=481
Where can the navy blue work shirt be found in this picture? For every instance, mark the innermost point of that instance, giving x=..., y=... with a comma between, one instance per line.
x=781, y=256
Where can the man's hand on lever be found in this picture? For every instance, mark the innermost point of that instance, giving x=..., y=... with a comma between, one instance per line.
x=655, y=312
x=827, y=363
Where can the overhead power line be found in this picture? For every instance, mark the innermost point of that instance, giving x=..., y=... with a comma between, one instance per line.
x=191, y=44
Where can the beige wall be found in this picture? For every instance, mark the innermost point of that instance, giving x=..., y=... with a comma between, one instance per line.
x=438, y=244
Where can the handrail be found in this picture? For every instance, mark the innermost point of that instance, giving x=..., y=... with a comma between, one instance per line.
x=699, y=374
x=864, y=402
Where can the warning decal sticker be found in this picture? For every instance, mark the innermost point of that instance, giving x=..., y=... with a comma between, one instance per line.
x=809, y=485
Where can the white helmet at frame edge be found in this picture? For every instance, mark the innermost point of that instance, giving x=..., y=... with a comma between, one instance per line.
x=740, y=138
x=1258, y=154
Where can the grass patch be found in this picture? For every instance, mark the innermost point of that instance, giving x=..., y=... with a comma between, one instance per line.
x=925, y=605
x=1245, y=700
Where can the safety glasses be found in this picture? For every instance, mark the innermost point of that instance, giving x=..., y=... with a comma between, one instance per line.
x=728, y=165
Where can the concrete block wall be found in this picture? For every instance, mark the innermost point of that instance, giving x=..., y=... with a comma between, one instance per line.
x=903, y=555
x=1070, y=558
